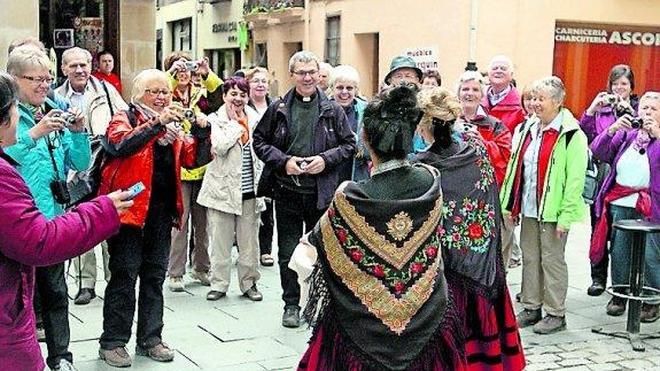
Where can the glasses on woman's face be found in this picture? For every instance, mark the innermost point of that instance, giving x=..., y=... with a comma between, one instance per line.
x=259, y=81
x=38, y=80
x=155, y=92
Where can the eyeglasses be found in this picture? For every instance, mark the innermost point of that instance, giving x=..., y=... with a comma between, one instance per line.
x=164, y=92
x=348, y=88
x=304, y=73
x=38, y=80
x=260, y=81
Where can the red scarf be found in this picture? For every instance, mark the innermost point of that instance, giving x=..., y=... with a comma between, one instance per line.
x=601, y=231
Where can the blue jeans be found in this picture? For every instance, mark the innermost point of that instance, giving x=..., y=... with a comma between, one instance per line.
x=620, y=243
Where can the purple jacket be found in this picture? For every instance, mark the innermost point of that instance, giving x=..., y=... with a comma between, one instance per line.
x=28, y=240
x=600, y=121
x=610, y=148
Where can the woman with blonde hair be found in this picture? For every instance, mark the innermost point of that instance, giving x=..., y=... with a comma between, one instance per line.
x=470, y=236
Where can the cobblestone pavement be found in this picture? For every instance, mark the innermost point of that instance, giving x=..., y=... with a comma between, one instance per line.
x=238, y=335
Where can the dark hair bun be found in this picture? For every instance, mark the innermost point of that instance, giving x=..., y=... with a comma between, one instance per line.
x=390, y=120
x=8, y=95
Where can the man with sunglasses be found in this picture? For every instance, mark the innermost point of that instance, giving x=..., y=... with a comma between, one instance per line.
x=302, y=138
x=97, y=101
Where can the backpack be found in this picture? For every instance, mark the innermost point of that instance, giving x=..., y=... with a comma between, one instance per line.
x=595, y=174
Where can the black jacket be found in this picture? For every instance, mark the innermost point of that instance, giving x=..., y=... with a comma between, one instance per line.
x=333, y=141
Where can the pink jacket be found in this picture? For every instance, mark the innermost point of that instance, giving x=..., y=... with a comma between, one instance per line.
x=28, y=240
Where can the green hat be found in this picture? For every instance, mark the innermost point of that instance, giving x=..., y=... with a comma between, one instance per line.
x=403, y=61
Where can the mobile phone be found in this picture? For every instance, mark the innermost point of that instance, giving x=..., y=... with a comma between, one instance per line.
x=135, y=190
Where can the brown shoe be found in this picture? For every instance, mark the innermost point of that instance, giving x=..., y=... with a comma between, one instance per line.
x=159, y=352
x=116, y=357
x=550, y=324
x=616, y=306
x=528, y=317
x=650, y=313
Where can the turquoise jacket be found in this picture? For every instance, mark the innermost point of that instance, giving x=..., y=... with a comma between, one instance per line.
x=71, y=152
x=561, y=201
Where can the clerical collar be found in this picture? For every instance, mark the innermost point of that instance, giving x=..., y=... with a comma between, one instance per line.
x=304, y=99
x=389, y=166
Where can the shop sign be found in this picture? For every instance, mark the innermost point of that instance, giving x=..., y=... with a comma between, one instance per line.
x=225, y=27
x=425, y=57
x=585, y=33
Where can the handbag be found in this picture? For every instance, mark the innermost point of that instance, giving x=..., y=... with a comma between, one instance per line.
x=84, y=185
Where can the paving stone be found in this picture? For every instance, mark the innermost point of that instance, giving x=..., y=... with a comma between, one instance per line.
x=636, y=364
x=545, y=349
x=576, y=354
x=606, y=358
x=543, y=358
x=284, y=363
x=542, y=366
x=654, y=359
x=604, y=367
x=574, y=362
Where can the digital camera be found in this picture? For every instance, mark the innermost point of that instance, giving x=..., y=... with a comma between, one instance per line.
x=189, y=115
x=302, y=164
x=636, y=122
x=610, y=99
x=68, y=117
x=192, y=66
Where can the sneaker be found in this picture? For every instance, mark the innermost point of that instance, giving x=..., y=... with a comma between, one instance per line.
x=253, y=294
x=528, y=317
x=616, y=306
x=176, y=284
x=84, y=296
x=550, y=324
x=116, y=357
x=214, y=295
x=650, y=313
x=596, y=289
x=65, y=365
x=202, y=277
x=159, y=352
x=291, y=317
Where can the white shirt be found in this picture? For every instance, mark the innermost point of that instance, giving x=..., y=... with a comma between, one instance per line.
x=632, y=170
x=495, y=98
x=530, y=167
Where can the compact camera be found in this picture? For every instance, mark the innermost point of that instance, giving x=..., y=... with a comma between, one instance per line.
x=620, y=110
x=636, y=122
x=192, y=66
x=189, y=115
x=610, y=99
x=60, y=191
x=302, y=164
x=68, y=117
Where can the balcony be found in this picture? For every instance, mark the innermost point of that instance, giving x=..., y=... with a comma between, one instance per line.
x=260, y=12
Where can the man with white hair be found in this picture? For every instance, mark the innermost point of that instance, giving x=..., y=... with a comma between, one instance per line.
x=97, y=101
x=502, y=100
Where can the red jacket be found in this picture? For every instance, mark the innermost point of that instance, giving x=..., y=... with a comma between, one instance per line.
x=509, y=110
x=497, y=140
x=112, y=78
x=133, y=141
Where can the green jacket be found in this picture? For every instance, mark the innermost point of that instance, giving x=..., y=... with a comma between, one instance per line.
x=561, y=201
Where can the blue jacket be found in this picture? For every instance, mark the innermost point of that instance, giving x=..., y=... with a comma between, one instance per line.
x=72, y=152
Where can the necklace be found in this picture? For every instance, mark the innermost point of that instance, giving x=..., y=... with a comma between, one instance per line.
x=388, y=166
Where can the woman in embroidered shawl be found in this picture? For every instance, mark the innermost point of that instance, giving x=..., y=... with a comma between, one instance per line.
x=470, y=236
x=378, y=296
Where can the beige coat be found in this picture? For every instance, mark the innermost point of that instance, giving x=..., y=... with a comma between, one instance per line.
x=221, y=187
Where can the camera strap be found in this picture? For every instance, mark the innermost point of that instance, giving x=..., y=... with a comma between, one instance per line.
x=51, y=148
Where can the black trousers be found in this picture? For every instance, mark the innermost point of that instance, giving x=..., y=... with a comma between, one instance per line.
x=266, y=229
x=598, y=270
x=296, y=212
x=53, y=303
x=134, y=253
